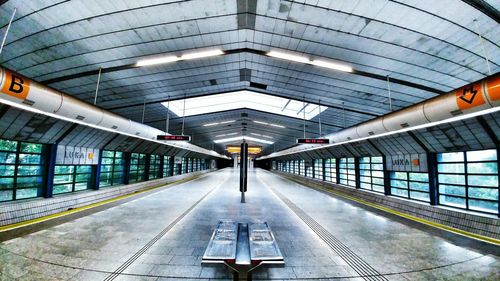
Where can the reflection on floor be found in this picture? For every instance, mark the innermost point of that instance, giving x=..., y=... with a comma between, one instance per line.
x=321, y=237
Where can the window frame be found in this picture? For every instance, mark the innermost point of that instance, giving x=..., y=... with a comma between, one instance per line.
x=371, y=176
x=467, y=186
x=113, y=165
x=39, y=186
x=74, y=174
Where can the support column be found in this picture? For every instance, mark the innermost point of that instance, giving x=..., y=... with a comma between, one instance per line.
x=387, y=177
x=171, y=166
x=97, y=177
x=50, y=166
x=433, y=185
x=160, y=169
x=147, y=164
x=243, y=170
x=337, y=170
x=126, y=167
x=356, y=168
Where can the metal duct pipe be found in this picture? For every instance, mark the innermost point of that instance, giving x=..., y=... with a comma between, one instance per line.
x=474, y=97
x=16, y=89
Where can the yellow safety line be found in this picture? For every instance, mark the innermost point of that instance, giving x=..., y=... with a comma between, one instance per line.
x=410, y=217
x=86, y=207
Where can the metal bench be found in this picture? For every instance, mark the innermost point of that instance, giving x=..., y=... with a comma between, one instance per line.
x=242, y=247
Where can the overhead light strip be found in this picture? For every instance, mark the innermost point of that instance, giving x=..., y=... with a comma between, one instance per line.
x=218, y=123
x=316, y=62
x=168, y=59
x=241, y=138
x=269, y=124
x=173, y=144
x=422, y=126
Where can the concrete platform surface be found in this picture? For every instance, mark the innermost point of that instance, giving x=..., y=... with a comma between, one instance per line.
x=163, y=236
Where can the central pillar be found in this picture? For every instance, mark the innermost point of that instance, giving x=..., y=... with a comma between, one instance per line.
x=243, y=170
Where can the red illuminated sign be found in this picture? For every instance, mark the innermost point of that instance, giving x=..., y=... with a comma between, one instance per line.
x=173, y=138
x=314, y=141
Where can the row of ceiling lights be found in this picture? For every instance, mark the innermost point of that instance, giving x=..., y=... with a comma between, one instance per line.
x=232, y=121
x=272, y=53
x=242, y=138
x=218, y=123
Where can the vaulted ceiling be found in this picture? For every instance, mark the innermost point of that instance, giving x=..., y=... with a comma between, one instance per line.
x=420, y=49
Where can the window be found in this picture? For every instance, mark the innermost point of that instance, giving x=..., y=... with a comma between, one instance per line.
x=154, y=166
x=302, y=167
x=176, y=169
x=20, y=170
x=331, y=170
x=469, y=180
x=196, y=164
x=243, y=99
x=347, y=171
x=410, y=185
x=189, y=165
x=184, y=165
x=71, y=178
x=318, y=169
x=371, y=173
x=280, y=166
x=296, y=167
x=166, y=166
x=308, y=169
x=137, y=167
x=111, y=168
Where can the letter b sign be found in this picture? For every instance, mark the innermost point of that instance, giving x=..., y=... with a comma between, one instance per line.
x=15, y=85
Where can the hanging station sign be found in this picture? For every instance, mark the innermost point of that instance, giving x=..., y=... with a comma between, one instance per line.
x=173, y=138
x=314, y=141
x=407, y=162
x=70, y=155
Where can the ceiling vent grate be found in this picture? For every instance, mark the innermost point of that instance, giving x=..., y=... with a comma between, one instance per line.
x=79, y=117
x=258, y=85
x=404, y=125
x=213, y=82
x=456, y=112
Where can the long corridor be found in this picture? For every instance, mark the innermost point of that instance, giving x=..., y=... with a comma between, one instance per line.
x=163, y=236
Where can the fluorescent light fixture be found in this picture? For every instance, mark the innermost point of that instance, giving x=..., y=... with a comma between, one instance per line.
x=265, y=136
x=203, y=54
x=159, y=60
x=223, y=135
x=269, y=124
x=210, y=124
x=332, y=65
x=217, y=123
x=241, y=138
x=422, y=126
x=288, y=56
x=167, y=59
x=276, y=125
x=241, y=99
x=302, y=59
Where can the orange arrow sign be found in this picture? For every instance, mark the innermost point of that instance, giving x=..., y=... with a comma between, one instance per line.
x=470, y=96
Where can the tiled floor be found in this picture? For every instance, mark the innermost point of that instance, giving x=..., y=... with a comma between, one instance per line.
x=92, y=247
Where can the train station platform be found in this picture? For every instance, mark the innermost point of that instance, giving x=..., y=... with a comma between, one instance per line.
x=162, y=236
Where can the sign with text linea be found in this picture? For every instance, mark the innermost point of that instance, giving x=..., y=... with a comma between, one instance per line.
x=314, y=141
x=173, y=138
